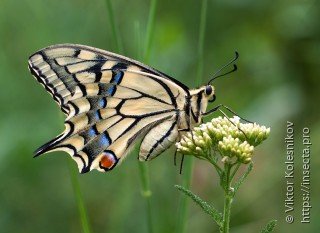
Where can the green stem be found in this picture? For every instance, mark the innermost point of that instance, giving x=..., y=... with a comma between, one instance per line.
x=79, y=199
x=202, y=26
x=150, y=29
x=77, y=192
x=227, y=199
x=138, y=40
x=235, y=170
x=146, y=192
x=114, y=28
x=184, y=201
x=226, y=213
x=144, y=171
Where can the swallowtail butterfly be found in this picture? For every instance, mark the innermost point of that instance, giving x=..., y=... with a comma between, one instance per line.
x=111, y=101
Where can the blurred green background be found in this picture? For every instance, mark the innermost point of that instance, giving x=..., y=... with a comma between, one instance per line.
x=277, y=80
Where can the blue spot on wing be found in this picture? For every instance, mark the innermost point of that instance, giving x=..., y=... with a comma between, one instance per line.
x=104, y=140
x=103, y=103
x=93, y=132
x=111, y=90
x=97, y=115
x=118, y=77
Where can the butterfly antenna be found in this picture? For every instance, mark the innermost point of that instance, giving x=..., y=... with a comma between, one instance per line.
x=217, y=75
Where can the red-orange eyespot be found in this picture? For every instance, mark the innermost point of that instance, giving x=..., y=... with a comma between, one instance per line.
x=108, y=160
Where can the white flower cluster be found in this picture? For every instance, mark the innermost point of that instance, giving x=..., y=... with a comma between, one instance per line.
x=234, y=140
x=234, y=148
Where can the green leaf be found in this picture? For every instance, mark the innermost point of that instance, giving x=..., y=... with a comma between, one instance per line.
x=269, y=227
x=217, y=217
x=242, y=179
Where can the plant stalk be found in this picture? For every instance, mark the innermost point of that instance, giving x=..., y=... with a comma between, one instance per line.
x=184, y=201
x=77, y=192
x=202, y=27
x=79, y=199
x=146, y=193
x=115, y=33
x=144, y=171
x=227, y=199
x=150, y=29
x=186, y=183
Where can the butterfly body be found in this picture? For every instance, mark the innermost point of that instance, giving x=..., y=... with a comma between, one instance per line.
x=112, y=101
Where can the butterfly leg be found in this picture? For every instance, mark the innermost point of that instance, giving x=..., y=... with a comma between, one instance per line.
x=181, y=164
x=176, y=151
x=229, y=109
x=226, y=116
x=184, y=130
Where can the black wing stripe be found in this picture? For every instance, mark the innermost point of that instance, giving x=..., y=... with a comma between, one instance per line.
x=195, y=115
x=168, y=133
x=145, y=129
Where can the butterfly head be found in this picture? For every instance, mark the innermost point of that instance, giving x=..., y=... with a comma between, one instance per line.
x=209, y=93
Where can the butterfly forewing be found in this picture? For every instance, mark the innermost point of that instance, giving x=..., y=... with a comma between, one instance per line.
x=110, y=102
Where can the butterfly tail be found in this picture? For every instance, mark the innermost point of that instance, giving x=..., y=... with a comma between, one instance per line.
x=49, y=146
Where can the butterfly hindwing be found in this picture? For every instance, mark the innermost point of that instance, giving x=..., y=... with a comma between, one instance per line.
x=110, y=102
x=158, y=139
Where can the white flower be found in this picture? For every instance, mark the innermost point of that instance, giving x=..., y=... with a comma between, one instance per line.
x=235, y=141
